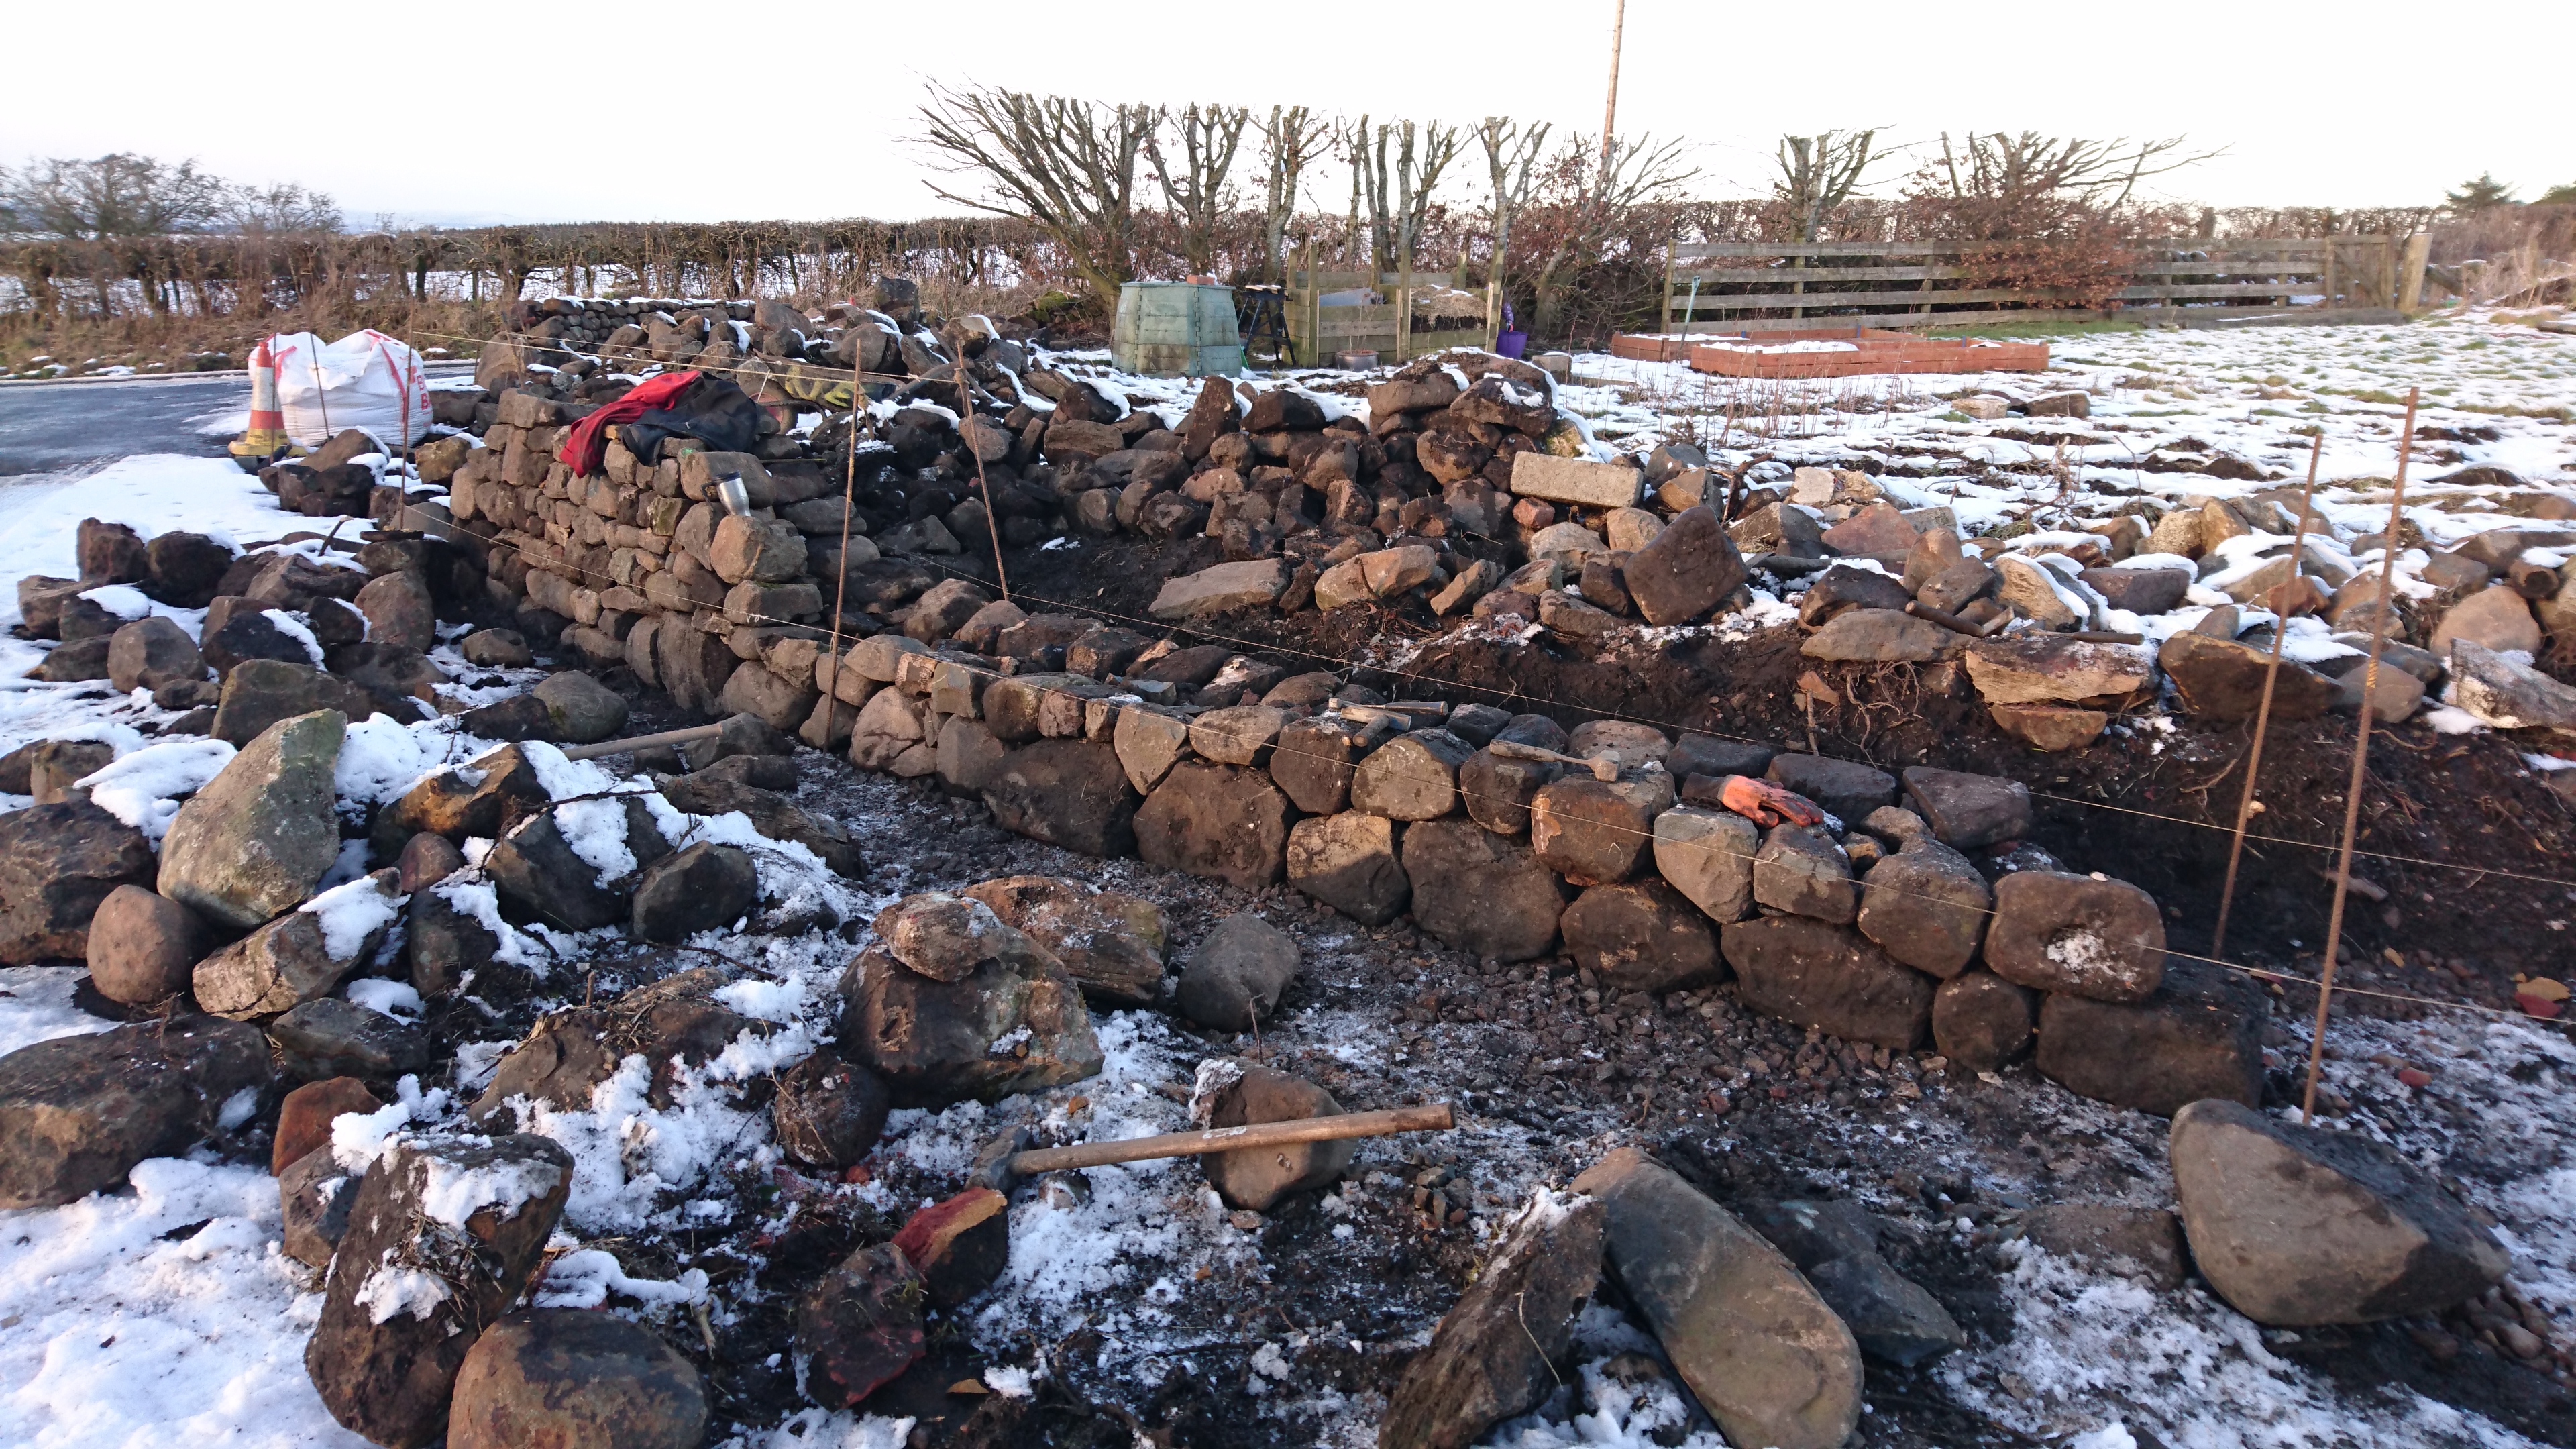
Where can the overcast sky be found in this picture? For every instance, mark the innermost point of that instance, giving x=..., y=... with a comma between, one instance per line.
x=468, y=111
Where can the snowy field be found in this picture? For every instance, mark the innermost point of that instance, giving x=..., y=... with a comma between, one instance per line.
x=166, y=1314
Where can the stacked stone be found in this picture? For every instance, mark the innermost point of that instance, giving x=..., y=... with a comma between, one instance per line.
x=1465, y=488
x=1915, y=591
x=1916, y=909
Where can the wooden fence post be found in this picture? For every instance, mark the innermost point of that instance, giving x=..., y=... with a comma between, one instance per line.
x=2410, y=273
x=1670, y=248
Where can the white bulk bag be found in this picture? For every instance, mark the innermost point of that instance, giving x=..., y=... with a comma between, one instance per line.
x=365, y=380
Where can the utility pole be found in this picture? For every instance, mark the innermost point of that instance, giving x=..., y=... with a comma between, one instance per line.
x=1610, y=111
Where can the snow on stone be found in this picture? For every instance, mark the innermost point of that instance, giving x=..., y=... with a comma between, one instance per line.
x=397, y=999
x=451, y=1194
x=584, y=1279
x=295, y=629
x=143, y=788
x=350, y=914
x=390, y=1292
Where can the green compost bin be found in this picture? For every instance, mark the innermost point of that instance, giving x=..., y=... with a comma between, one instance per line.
x=1176, y=329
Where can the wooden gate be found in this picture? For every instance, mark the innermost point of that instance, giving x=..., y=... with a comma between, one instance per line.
x=1717, y=287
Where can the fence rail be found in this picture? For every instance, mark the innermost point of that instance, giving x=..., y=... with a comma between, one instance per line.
x=1708, y=288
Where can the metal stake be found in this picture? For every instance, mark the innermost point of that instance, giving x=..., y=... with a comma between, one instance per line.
x=2360, y=760
x=2263, y=713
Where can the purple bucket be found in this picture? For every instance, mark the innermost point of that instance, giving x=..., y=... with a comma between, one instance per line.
x=1511, y=344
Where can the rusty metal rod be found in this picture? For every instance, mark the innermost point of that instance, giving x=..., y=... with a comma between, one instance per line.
x=2360, y=760
x=2263, y=711
x=1435, y=1118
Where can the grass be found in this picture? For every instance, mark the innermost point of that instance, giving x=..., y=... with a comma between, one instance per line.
x=2017, y=331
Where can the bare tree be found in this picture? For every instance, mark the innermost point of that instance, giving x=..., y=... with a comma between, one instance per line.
x=276, y=207
x=1067, y=166
x=1399, y=200
x=1291, y=140
x=116, y=195
x=1595, y=199
x=1199, y=191
x=1511, y=162
x=1819, y=173
x=2030, y=167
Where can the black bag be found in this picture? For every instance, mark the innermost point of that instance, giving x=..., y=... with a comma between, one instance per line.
x=711, y=410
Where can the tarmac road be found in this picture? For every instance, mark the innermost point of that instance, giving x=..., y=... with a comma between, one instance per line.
x=70, y=427
x=67, y=426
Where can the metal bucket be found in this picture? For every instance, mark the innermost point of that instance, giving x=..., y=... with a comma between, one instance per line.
x=1176, y=329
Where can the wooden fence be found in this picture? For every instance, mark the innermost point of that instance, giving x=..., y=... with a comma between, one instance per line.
x=1317, y=333
x=1717, y=287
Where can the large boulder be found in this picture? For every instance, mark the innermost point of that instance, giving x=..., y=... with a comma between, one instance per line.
x=1233, y=977
x=1981, y=1021
x=2506, y=694
x=579, y=709
x=569, y=1378
x=1071, y=793
x=1111, y=943
x=860, y=1327
x=1314, y=761
x=1641, y=937
x=399, y=611
x=1241, y=1094
x=254, y=841
x=1802, y=871
x=1349, y=862
x=2043, y=668
x=2221, y=680
x=1217, y=821
x=152, y=652
x=2200, y=1034
x=1253, y=584
x=1969, y=812
x=1481, y=893
x=2295, y=1225
x=1878, y=636
x=1889, y=1315
x=2062, y=932
x=563, y=1061
x=1013, y=1022
x=1686, y=571
x=1828, y=977
x=1845, y=788
x=142, y=946
x=1597, y=832
x=829, y=1112
x=1926, y=907
x=703, y=887
x=58, y=864
x=714, y=792
x=1708, y=856
x=443, y=1236
x=1494, y=1354
x=77, y=1112
x=262, y=692
x=1413, y=776
x=303, y=954
x=542, y=877
x=1763, y=1354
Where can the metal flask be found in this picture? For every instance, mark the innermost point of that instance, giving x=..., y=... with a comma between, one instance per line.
x=735, y=497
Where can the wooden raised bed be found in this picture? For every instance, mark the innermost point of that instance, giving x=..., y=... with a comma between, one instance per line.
x=1862, y=350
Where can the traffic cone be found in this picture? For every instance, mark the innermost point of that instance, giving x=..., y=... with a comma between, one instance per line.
x=265, y=440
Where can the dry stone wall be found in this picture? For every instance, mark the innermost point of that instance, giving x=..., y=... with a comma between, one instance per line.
x=1883, y=908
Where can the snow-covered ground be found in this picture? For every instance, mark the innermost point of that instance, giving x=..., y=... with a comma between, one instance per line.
x=166, y=1313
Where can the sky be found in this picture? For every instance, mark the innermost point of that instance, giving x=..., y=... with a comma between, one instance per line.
x=473, y=112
